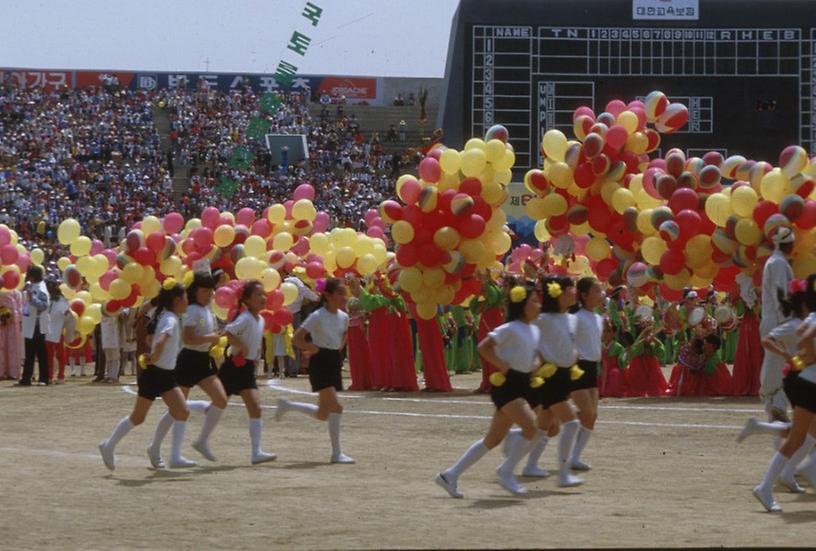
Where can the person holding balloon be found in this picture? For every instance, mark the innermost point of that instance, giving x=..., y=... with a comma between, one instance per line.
x=237, y=374
x=35, y=326
x=643, y=376
x=328, y=328
x=158, y=379
x=195, y=367
x=513, y=349
x=490, y=310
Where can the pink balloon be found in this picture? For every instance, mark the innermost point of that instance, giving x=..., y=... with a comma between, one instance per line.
x=106, y=279
x=210, y=217
x=110, y=254
x=378, y=223
x=9, y=254
x=616, y=137
x=225, y=297
x=301, y=247
x=97, y=246
x=246, y=216
x=288, y=205
x=225, y=220
x=315, y=269
x=583, y=110
x=615, y=107
x=375, y=231
x=262, y=227
x=321, y=222
x=429, y=169
x=5, y=236
x=173, y=222
x=304, y=191
x=24, y=262
x=202, y=237
x=370, y=215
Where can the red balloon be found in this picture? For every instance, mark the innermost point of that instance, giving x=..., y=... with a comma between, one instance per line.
x=155, y=242
x=616, y=137
x=202, y=237
x=471, y=227
x=282, y=317
x=682, y=199
x=557, y=225
x=670, y=294
x=605, y=267
x=145, y=256
x=807, y=219
x=315, y=269
x=762, y=211
x=430, y=255
x=9, y=254
x=269, y=319
x=77, y=307
x=584, y=176
x=11, y=279
x=672, y=263
x=407, y=255
x=689, y=222
x=599, y=217
x=274, y=300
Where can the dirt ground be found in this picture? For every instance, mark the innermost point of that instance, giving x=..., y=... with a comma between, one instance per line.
x=667, y=472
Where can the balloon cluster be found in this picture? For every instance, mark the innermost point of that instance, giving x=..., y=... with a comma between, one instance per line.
x=15, y=260
x=450, y=222
x=673, y=221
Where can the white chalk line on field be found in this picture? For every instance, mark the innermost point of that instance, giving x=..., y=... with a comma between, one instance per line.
x=127, y=388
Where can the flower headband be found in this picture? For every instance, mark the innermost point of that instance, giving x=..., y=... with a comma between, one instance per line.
x=554, y=289
x=518, y=294
x=797, y=286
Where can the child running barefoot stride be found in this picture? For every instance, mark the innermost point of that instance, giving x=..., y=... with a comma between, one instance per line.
x=158, y=378
x=237, y=373
x=512, y=349
x=328, y=327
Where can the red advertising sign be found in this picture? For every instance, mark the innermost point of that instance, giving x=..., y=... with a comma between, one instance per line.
x=47, y=80
x=353, y=88
x=95, y=78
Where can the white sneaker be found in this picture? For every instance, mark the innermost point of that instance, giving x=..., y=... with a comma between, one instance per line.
x=510, y=483
x=535, y=472
x=204, y=449
x=767, y=500
x=281, y=409
x=263, y=457
x=342, y=459
x=569, y=481
x=792, y=485
x=155, y=458
x=578, y=465
x=748, y=430
x=449, y=484
x=182, y=462
x=107, y=455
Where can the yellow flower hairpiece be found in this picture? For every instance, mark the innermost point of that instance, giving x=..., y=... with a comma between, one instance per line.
x=518, y=294
x=168, y=284
x=554, y=289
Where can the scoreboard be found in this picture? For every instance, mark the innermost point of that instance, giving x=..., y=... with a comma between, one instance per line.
x=750, y=90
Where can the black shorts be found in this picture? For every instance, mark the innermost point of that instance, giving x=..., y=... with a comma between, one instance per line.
x=590, y=377
x=193, y=366
x=516, y=385
x=155, y=381
x=800, y=393
x=236, y=379
x=556, y=389
x=324, y=370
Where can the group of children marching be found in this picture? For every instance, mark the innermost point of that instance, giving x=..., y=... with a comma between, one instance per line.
x=182, y=331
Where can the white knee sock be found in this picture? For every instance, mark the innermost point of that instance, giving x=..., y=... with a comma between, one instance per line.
x=162, y=428
x=302, y=407
x=334, y=432
x=473, y=454
x=124, y=427
x=210, y=420
x=790, y=467
x=537, y=448
x=178, y=440
x=198, y=405
x=566, y=443
x=255, y=428
x=775, y=428
x=580, y=442
x=774, y=470
x=515, y=454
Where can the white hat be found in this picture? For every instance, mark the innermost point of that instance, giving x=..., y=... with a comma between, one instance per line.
x=783, y=235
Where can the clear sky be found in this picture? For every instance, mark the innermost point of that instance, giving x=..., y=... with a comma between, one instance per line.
x=407, y=38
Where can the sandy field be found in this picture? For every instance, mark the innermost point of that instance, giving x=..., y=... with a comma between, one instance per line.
x=667, y=472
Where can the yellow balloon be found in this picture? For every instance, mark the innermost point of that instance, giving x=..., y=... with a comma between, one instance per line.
x=119, y=289
x=224, y=235
x=473, y=250
x=426, y=310
x=94, y=311
x=290, y=292
x=402, y=232
x=475, y=143
x=132, y=273
x=560, y=174
x=85, y=265
x=743, y=201
x=678, y=281
x=410, y=279
x=747, y=232
x=652, y=249
x=151, y=290
x=150, y=224
x=63, y=263
x=81, y=246
x=494, y=150
x=68, y=231
x=473, y=162
x=446, y=238
x=282, y=241
x=170, y=266
x=367, y=264
x=773, y=185
x=628, y=120
x=345, y=257
x=804, y=265
x=86, y=325
x=276, y=213
x=319, y=244
x=499, y=243
x=541, y=232
x=718, y=208
x=303, y=209
x=644, y=222
x=98, y=293
x=37, y=256
x=597, y=249
x=554, y=144
x=622, y=199
x=380, y=252
x=443, y=295
x=451, y=161
x=270, y=278
x=363, y=246
x=555, y=204
x=255, y=246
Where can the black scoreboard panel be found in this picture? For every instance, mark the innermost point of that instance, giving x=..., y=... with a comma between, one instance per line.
x=750, y=90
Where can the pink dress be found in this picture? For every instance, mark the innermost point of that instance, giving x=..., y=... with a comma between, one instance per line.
x=11, y=336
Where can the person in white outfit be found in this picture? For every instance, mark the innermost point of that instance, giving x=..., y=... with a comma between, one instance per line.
x=35, y=326
x=112, y=346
